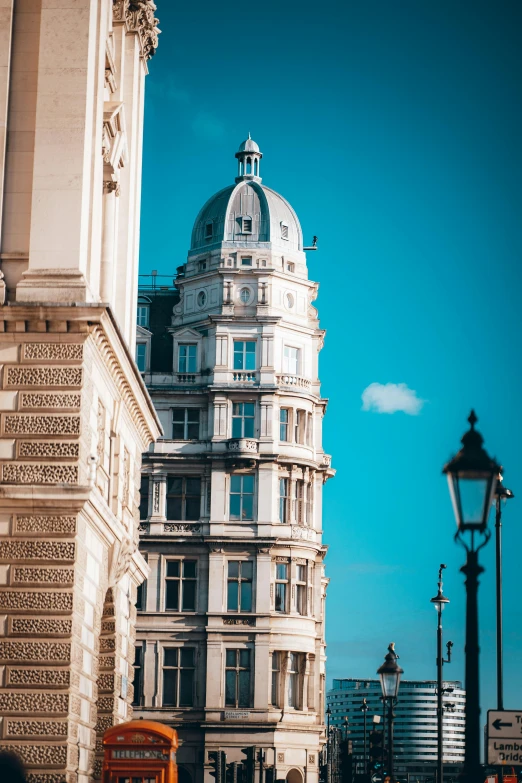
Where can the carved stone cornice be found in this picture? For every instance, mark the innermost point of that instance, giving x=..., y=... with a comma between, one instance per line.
x=138, y=15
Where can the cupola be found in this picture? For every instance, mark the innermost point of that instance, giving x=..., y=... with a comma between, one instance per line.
x=249, y=161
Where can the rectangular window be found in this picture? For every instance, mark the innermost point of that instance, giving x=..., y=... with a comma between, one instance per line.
x=244, y=355
x=138, y=678
x=299, y=502
x=293, y=681
x=141, y=356
x=299, y=426
x=276, y=668
x=283, y=499
x=142, y=315
x=187, y=358
x=301, y=590
x=185, y=424
x=237, y=678
x=183, y=498
x=178, y=676
x=144, y=497
x=208, y=230
x=247, y=226
x=180, y=586
x=284, y=418
x=247, y=260
x=281, y=587
x=291, y=360
x=243, y=419
x=239, y=586
x=140, y=597
x=309, y=429
x=284, y=231
x=242, y=496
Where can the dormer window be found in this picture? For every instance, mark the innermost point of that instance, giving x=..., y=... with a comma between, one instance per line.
x=284, y=230
x=209, y=230
x=247, y=225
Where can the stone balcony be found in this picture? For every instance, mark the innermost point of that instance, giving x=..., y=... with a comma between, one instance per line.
x=293, y=380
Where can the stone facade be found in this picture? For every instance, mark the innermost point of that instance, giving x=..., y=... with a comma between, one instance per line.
x=75, y=416
x=230, y=629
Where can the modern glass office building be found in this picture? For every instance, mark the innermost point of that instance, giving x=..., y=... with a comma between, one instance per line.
x=415, y=726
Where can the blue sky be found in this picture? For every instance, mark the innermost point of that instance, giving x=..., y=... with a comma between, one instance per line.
x=394, y=131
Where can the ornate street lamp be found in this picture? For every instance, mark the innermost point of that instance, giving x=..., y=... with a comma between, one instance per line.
x=439, y=602
x=390, y=676
x=502, y=495
x=472, y=478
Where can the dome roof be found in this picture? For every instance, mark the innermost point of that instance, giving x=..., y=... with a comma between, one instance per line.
x=249, y=145
x=246, y=214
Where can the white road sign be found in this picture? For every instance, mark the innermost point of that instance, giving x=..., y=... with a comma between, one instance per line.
x=505, y=737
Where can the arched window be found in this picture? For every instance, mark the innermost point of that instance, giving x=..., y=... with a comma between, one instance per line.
x=249, y=166
x=256, y=166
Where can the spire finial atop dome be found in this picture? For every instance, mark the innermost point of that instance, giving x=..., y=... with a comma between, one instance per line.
x=249, y=157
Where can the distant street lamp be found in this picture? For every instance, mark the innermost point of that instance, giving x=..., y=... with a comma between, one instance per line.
x=504, y=494
x=439, y=601
x=472, y=478
x=364, y=710
x=390, y=675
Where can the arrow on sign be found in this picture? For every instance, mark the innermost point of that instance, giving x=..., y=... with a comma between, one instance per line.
x=497, y=724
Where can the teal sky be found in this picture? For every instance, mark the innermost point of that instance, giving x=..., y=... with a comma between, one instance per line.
x=394, y=131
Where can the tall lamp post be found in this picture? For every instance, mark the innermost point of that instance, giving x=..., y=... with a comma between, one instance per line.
x=472, y=478
x=502, y=493
x=364, y=710
x=439, y=601
x=390, y=675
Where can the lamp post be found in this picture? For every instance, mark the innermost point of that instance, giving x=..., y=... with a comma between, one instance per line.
x=439, y=601
x=472, y=478
x=390, y=674
x=364, y=710
x=502, y=493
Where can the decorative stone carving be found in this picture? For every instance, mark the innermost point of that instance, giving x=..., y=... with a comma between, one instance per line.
x=40, y=755
x=311, y=758
x=139, y=16
x=305, y=533
x=29, y=424
x=37, y=550
x=45, y=777
x=34, y=702
x=40, y=474
x=44, y=376
x=29, y=626
x=2, y=288
x=43, y=524
x=109, y=186
x=280, y=758
x=56, y=351
x=126, y=476
x=36, y=728
x=22, y=601
x=156, y=497
x=143, y=527
x=32, y=400
x=239, y=621
x=63, y=576
x=26, y=677
x=49, y=448
x=242, y=444
x=35, y=651
x=181, y=527
x=101, y=432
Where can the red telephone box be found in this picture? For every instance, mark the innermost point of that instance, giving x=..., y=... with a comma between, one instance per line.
x=141, y=751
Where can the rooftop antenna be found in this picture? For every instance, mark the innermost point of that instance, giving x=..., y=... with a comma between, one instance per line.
x=313, y=246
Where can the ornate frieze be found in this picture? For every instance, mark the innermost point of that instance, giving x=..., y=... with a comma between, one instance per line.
x=48, y=448
x=36, y=728
x=30, y=626
x=53, y=351
x=29, y=424
x=45, y=524
x=62, y=576
x=43, y=376
x=40, y=474
x=30, y=676
x=21, y=601
x=43, y=400
x=37, y=550
x=35, y=651
x=34, y=702
x=40, y=755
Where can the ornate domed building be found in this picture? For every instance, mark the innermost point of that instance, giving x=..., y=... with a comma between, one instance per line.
x=230, y=633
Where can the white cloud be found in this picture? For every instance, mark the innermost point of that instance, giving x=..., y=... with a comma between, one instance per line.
x=390, y=398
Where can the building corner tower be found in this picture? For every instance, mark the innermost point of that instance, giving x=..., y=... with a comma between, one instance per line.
x=230, y=634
